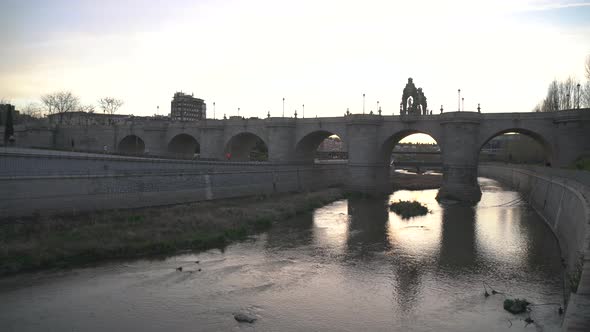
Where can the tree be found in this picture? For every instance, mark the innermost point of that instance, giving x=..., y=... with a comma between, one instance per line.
x=86, y=108
x=585, y=95
x=60, y=102
x=551, y=101
x=8, y=128
x=567, y=93
x=110, y=105
x=587, y=67
x=33, y=110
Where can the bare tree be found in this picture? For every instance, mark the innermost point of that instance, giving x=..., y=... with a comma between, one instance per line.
x=110, y=105
x=87, y=108
x=551, y=102
x=587, y=67
x=60, y=102
x=567, y=93
x=585, y=95
x=4, y=101
x=34, y=110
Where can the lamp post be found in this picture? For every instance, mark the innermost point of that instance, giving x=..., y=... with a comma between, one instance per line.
x=238, y=111
x=214, y=110
x=459, y=100
x=363, y=103
x=303, y=111
x=463, y=104
x=441, y=109
x=283, y=107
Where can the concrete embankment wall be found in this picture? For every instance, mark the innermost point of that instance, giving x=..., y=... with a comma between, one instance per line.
x=41, y=183
x=562, y=198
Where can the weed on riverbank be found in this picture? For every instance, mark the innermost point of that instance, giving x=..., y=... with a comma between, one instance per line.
x=61, y=241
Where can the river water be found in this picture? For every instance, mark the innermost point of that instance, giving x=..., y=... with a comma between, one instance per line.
x=350, y=266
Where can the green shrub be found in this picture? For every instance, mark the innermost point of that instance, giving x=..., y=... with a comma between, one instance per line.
x=582, y=163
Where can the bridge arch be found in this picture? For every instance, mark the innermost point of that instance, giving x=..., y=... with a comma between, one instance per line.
x=184, y=146
x=246, y=146
x=131, y=144
x=387, y=146
x=307, y=146
x=543, y=142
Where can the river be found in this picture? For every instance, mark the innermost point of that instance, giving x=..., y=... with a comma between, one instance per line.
x=349, y=266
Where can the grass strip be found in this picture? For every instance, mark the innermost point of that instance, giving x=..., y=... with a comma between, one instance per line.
x=42, y=242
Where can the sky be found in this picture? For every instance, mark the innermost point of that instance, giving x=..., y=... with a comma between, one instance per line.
x=321, y=54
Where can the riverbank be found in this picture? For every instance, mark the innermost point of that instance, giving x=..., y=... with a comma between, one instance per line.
x=42, y=242
x=416, y=181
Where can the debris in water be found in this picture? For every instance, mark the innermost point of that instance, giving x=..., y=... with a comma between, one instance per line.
x=179, y=268
x=515, y=306
x=244, y=317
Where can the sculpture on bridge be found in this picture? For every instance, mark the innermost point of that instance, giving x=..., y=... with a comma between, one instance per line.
x=413, y=100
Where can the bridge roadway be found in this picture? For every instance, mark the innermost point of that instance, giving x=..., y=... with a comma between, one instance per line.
x=368, y=138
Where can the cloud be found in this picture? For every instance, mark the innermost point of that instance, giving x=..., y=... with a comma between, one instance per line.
x=324, y=54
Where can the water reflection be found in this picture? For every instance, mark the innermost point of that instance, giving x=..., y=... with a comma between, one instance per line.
x=367, y=227
x=292, y=233
x=457, y=246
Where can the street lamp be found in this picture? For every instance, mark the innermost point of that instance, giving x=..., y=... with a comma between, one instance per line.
x=363, y=103
x=303, y=111
x=463, y=104
x=238, y=111
x=283, y=107
x=213, y=110
x=459, y=100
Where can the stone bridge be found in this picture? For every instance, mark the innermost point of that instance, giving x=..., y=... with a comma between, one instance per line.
x=369, y=140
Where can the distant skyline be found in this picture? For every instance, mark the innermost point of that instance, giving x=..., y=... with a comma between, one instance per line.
x=324, y=54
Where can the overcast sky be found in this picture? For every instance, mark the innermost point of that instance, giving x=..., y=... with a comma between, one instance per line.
x=324, y=54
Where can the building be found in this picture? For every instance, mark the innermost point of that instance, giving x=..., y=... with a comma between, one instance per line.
x=85, y=118
x=4, y=110
x=187, y=108
x=79, y=118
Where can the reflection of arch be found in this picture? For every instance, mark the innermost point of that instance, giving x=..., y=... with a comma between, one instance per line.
x=184, y=146
x=246, y=146
x=306, y=148
x=391, y=142
x=537, y=137
x=131, y=144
